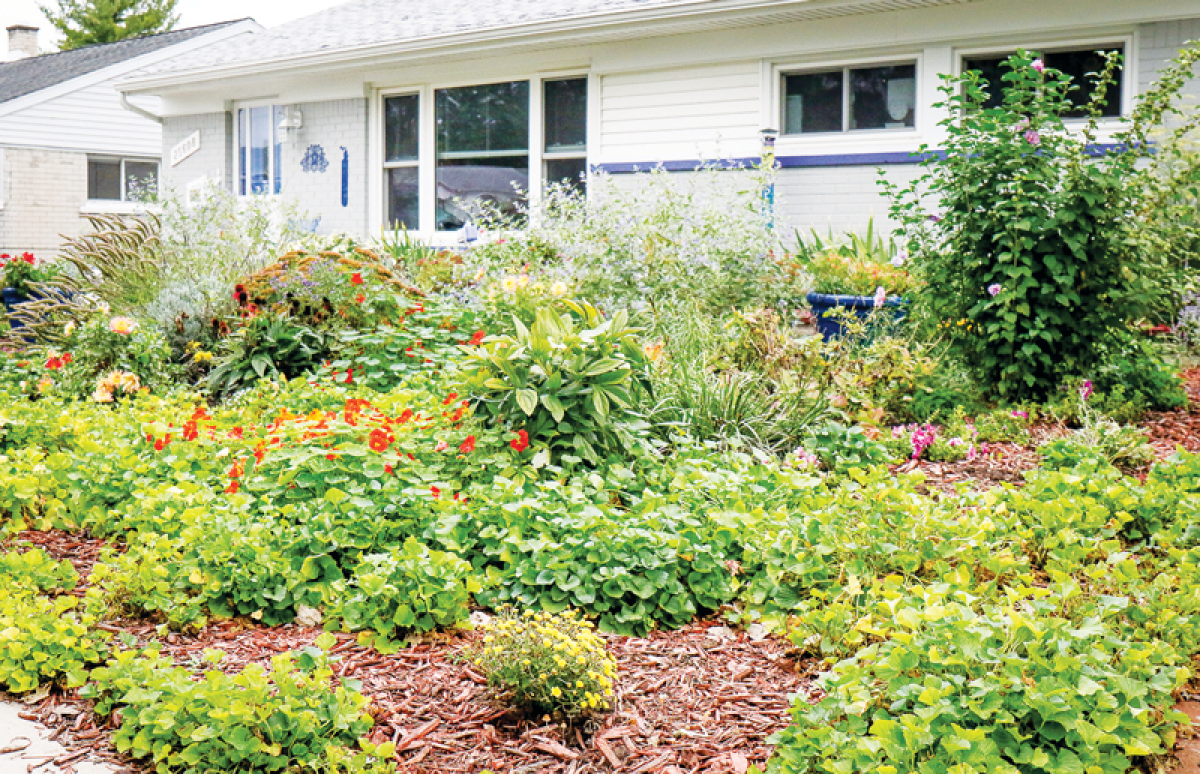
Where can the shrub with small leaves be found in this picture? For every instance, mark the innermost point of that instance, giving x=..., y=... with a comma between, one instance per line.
x=546, y=663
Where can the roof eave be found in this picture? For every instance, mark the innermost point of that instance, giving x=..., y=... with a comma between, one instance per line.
x=663, y=20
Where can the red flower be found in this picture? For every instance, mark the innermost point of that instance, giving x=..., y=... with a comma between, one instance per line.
x=189, y=431
x=360, y=298
x=441, y=446
x=406, y=415
x=521, y=442
x=232, y=488
x=237, y=470
x=236, y=432
x=450, y=399
x=380, y=440
x=349, y=376
x=387, y=469
x=54, y=363
x=468, y=445
x=259, y=452
x=28, y=258
x=331, y=457
x=66, y=358
x=357, y=278
x=477, y=339
x=161, y=443
x=436, y=492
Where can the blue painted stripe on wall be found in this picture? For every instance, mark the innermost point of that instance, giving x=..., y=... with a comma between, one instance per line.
x=799, y=162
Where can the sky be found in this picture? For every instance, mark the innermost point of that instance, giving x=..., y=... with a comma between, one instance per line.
x=268, y=13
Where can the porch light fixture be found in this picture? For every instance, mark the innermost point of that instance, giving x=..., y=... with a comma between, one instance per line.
x=290, y=124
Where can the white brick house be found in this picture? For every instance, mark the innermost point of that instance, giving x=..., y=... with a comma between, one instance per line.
x=68, y=146
x=379, y=111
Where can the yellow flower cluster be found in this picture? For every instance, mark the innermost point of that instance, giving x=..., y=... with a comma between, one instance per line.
x=199, y=355
x=547, y=662
x=107, y=386
x=961, y=326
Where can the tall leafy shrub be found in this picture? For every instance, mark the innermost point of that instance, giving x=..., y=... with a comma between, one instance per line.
x=1044, y=240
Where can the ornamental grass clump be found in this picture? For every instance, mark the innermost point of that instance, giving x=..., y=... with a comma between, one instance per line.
x=546, y=663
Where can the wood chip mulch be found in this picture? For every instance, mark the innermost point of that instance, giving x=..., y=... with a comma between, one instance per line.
x=1171, y=429
x=701, y=700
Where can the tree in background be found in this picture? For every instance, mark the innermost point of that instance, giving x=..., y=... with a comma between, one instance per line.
x=87, y=22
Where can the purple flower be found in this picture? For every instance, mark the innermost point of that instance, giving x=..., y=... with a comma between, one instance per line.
x=994, y=290
x=1085, y=391
x=935, y=218
x=900, y=259
x=1032, y=137
x=880, y=297
x=1039, y=65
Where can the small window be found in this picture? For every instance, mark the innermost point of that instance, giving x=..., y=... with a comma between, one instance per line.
x=482, y=150
x=850, y=99
x=122, y=179
x=565, y=109
x=401, y=122
x=259, y=150
x=1078, y=63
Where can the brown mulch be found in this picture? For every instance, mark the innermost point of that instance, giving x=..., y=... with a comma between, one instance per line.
x=702, y=699
x=1171, y=429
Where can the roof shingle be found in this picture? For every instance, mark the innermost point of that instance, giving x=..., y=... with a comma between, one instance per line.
x=26, y=76
x=360, y=23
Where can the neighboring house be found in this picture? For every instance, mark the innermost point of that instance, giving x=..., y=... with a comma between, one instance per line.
x=68, y=146
x=384, y=111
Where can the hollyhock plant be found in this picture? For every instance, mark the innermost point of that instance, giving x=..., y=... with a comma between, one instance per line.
x=1069, y=231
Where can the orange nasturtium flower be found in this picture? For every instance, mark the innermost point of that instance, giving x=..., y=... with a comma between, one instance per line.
x=380, y=440
x=468, y=445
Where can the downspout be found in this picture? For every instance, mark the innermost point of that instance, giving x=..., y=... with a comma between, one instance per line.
x=132, y=108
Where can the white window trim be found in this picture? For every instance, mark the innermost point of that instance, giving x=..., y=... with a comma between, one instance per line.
x=1105, y=126
x=385, y=165
x=849, y=141
x=270, y=102
x=3, y=178
x=427, y=143
x=118, y=205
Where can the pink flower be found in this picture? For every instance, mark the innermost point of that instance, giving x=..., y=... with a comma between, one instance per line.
x=994, y=290
x=1033, y=138
x=880, y=297
x=1085, y=391
x=1039, y=65
x=1021, y=414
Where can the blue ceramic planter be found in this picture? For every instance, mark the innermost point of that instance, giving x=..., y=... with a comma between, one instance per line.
x=12, y=299
x=862, y=306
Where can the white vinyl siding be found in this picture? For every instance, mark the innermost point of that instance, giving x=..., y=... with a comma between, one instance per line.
x=90, y=119
x=705, y=112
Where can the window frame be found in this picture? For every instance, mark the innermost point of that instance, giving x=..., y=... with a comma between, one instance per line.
x=427, y=140
x=406, y=163
x=1129, y=80
x=780, y=71
x=239, y=159
x=122, y=176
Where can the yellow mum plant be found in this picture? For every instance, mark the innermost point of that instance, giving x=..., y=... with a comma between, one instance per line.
x=546, y=663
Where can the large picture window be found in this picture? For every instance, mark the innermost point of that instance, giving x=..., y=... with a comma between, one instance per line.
x=121, y=180
x=1075, y=62
x=259, y=150
x=401, y=160
x=850, y=99
x=482, y=150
